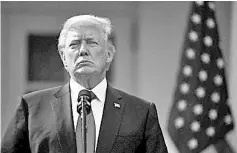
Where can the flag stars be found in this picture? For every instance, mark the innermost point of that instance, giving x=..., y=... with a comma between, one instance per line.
x=184, y=87
x=193, y=36
x=187, y=70
x=202, y=75
x=179, y=122
x=215, y=97
x=182, y=105
x=208, y=41
x=200, y=3
x=228, y=119
x=205, y=58
x=211, y=5
x=196, y=18
x=192, y=143
x=195, y=126
x=200, y=92
x=212, y=114
x=198, y=109
x=210, y=131
x=190, y=53
x=220, y=63
x=218, y=80
x=210, y=23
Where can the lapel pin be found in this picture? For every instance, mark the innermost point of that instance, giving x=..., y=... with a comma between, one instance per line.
x=116, y=105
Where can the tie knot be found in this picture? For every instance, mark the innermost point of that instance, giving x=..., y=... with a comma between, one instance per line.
x=93, y=96
x=89, y=95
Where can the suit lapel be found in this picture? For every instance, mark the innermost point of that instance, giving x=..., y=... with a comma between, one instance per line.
x=111, y=120
x=62, y=112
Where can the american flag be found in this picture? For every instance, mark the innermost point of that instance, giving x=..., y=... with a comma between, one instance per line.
x=200, y=114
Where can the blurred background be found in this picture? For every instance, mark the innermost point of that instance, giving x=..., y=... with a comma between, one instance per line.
x=148, y=37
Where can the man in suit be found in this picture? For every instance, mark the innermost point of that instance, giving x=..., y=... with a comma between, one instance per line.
x=47, y=120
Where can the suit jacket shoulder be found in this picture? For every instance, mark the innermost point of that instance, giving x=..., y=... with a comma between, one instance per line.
x=35, y=97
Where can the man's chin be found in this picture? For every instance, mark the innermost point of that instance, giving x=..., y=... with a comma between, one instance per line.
x=83, y=72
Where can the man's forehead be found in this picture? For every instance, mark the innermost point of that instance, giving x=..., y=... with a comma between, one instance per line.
x=85, y=31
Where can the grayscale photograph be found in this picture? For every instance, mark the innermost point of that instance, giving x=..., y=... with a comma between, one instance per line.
x=118, y=76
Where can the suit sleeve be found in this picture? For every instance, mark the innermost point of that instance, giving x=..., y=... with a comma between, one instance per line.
x=154, y=138
x=16, y=139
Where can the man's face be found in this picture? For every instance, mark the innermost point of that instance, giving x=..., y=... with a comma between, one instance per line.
x=86, y=52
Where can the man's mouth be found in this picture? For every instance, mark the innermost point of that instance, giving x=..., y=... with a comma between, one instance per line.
x=84, y=63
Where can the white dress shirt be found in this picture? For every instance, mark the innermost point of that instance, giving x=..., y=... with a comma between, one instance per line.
x=97, y=104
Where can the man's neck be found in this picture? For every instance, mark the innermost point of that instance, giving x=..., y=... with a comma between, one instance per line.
x=88, y=82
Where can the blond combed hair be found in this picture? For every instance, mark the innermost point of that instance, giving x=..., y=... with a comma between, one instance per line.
x=84, y=20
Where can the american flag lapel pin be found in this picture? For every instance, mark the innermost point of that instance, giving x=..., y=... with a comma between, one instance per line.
x=116, y=105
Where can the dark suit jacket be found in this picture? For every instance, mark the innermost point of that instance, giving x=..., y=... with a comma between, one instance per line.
x=43, y=123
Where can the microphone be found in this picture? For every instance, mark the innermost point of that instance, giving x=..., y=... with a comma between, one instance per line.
x=83, y=108
x=84, y=97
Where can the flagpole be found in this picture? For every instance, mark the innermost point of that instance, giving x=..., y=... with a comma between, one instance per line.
x=222, y=146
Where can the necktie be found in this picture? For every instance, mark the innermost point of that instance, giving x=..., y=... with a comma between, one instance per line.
x=90, y=131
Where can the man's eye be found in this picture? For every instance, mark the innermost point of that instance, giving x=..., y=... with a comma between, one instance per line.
x=73, y=44
x=92, y=42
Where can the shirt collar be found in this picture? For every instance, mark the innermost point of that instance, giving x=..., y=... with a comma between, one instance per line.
x=99, y=90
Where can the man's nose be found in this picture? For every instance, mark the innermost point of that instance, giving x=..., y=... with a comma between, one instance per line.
x=83, y=51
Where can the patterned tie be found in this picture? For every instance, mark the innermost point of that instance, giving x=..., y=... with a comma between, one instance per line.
x=90, y=130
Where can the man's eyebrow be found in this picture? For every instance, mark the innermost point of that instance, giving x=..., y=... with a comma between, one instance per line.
x=75, y=41
x=78, y=39
x=90, y=38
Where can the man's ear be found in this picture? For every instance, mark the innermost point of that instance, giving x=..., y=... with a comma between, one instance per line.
x=63, y=58
x=110, y=52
